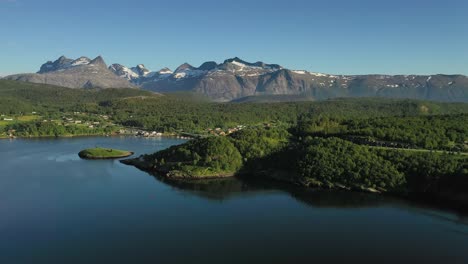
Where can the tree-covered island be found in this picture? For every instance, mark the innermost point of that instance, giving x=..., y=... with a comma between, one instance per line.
x=104, y=153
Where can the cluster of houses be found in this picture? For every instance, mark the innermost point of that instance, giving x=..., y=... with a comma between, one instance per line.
x=148, y=134
x=90, y=124
x=220, y=132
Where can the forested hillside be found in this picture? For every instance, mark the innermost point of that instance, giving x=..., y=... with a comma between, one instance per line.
x=189, y=113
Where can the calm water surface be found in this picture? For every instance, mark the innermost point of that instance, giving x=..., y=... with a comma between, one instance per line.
x=56, y=208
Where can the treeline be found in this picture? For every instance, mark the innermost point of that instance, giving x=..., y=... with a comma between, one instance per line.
x=41, y=129
x=443, y=132
x=336, y=163
x=45, y=98
x=191, y=113
x=312, y=161
x=173, y=113
x=213, y=156
x=430, y=173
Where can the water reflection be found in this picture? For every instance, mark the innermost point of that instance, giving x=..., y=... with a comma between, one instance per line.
x=56, y=208
x=227, y=188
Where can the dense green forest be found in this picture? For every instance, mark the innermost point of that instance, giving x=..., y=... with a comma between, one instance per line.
x=193, y=114
x=213, y=156
x=444, y=132
x=373, y=144
x=313, y=161
x=23, y=97
x=42, y=129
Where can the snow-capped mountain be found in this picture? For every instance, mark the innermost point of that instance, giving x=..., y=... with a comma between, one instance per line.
x=134, y=73
x=63, y=63
x=75, y=73
x=124, y=72
x=236, y=78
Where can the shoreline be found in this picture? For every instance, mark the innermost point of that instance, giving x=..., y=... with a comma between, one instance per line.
x=168, y=174
x=125, y=155
x=91, y=135
x=442, y=200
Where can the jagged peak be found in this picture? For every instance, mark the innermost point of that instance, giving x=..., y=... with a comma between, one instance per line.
x=98, y=61
x=59, y=63
x=116, y=65
x=184, y=66
x=237, y=59
x=239, y=62
x=62, y=58
x=208, y=66
x=80, y=61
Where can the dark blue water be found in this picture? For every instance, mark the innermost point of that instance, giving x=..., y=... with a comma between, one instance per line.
x=56, y=208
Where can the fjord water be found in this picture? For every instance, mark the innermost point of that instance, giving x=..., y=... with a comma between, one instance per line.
x=57, y=208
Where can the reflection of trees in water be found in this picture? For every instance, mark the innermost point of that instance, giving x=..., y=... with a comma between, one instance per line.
x=340, y=199
x=213, y=189
x=226, y=188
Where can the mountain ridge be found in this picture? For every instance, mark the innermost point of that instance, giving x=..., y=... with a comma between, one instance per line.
x=74, y=73
x=235, y=78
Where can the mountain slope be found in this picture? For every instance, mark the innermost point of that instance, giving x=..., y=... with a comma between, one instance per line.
x=236, y=78
x=80, y=73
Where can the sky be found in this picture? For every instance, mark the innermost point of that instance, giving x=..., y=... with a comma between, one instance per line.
x=332, y=36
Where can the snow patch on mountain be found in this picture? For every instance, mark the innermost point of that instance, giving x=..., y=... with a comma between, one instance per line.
x=318, y=74
x=165, y=71
x=80, y=61
x=300, y=72
x=188, y=73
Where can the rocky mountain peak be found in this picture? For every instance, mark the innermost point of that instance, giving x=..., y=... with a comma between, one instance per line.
x=80, y=61
x=239, y=63
x=236, y=59
x=141, y=70
x=184, y=67
x=122, y=71
x=236, y=78
x=99, y=61
x=208, y=66
x=62, y=59
x=77, y=73
x=165, y=71
x=116, y=67
x=61, y=63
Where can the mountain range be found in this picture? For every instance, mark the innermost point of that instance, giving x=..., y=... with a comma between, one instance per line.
x=80, y=73
x=235, y=79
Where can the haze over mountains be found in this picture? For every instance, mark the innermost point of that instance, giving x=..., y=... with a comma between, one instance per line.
x=235, y=79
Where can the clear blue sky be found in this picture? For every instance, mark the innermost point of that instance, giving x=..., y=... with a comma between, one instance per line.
x=333, y=36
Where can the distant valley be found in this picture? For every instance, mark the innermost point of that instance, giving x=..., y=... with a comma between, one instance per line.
x=238, y=80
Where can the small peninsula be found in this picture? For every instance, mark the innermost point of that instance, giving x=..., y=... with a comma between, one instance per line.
x=325, y=153
x=104, y=153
